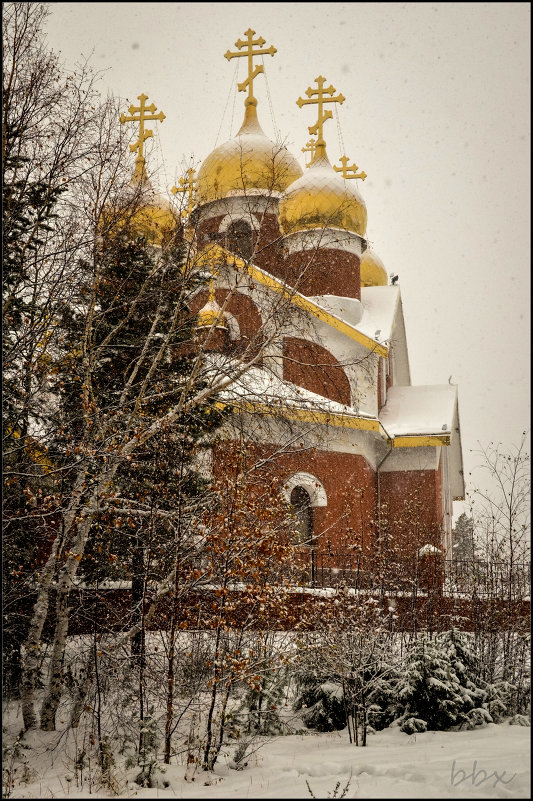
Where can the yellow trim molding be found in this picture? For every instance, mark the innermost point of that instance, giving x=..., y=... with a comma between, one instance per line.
x=304, y=415
x=421, y=441
x=338, y=420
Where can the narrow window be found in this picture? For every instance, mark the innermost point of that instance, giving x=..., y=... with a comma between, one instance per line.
x=239, y=239
x=303, y=511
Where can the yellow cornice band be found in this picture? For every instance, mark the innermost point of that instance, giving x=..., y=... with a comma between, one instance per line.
x=339, y=420
x=421, y=441
x=304, y=415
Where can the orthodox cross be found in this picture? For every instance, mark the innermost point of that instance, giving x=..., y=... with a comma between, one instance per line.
x=310, y=148
x=252, y=72
x=141, y=110
x=188, y=185
x=349, y=172
x=320, y=99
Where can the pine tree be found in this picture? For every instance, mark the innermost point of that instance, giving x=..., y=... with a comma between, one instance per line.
x=440, y=683
x=463, y=539
x=133, y=325
x=429, y=688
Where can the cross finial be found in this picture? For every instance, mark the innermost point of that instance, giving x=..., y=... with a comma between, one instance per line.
x=320, y=99
x=250, y=52
x=188, y=185
x=310, y=148
x=349, y=172
x=141, y=111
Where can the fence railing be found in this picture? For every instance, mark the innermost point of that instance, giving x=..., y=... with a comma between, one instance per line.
x=488, y=579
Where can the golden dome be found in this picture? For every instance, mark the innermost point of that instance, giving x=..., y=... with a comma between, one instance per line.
x=155, y=221
x=320, y=198
x=248, y=161
x=154, y=218
x=211, y=314
x=373, y=271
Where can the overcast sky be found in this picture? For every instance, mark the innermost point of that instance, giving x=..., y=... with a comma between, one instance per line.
x=437, y=113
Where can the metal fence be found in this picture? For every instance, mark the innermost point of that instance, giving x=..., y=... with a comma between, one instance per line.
x=451, y=577
x=487, y=579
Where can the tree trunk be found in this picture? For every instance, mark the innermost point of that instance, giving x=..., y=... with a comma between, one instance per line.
x=137, y=600
x=209, y=731
x=170, y=680
x=68, y=572
x=40, y=612
x=31, y=661
x=83, y=689
x=55, y=685
x=214, y=756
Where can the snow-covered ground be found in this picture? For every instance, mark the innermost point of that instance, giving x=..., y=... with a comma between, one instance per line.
x=489, y=762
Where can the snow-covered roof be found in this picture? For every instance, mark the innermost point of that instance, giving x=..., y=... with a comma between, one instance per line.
x=419, y=410
x=428, y=550
x=214, y=252
x=379, y=309
x=260, y=386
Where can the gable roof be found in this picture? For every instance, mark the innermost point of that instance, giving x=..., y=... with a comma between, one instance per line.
x=260, y=391
x=214, y=252
x=419, y=411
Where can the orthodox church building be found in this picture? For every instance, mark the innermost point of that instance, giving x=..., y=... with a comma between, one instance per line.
x=365, y=459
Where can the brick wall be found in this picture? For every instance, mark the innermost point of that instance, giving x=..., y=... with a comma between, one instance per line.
x=327, y=271
x=314, y=368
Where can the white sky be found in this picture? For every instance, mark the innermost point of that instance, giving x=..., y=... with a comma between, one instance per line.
x=437, y=113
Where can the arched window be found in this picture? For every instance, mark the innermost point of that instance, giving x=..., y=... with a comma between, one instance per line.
x=303, y=511
x=239, y=239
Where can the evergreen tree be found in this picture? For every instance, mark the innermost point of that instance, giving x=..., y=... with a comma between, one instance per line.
x=429, y=688
x=439, y=684
x=132, y=323
x=463, y=539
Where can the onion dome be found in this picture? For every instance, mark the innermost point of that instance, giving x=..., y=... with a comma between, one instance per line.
x=155, y=219
x=322, y=199
x=211, y=314
x=250, y=161
x=152, y=218
x=373, y=272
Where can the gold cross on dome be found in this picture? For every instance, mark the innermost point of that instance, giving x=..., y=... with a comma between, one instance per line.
x=187, y=184
x=310, y=148
x=320, y=99
x=349, y=172
x=140, y=161
x=250, y=52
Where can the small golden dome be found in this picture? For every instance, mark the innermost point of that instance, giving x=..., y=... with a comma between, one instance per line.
x=154, y=219
x=248, y=161
x=155, y=222
x=373, y=271
x=211, y=314
x=322, y=199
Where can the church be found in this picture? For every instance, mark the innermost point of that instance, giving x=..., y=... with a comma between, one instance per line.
x=369, y=463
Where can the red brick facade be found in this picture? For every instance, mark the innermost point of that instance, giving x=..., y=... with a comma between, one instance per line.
x=325, y=271
x=348, y=520
x=312, y=367
x=410, y=501
x=412, y=508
